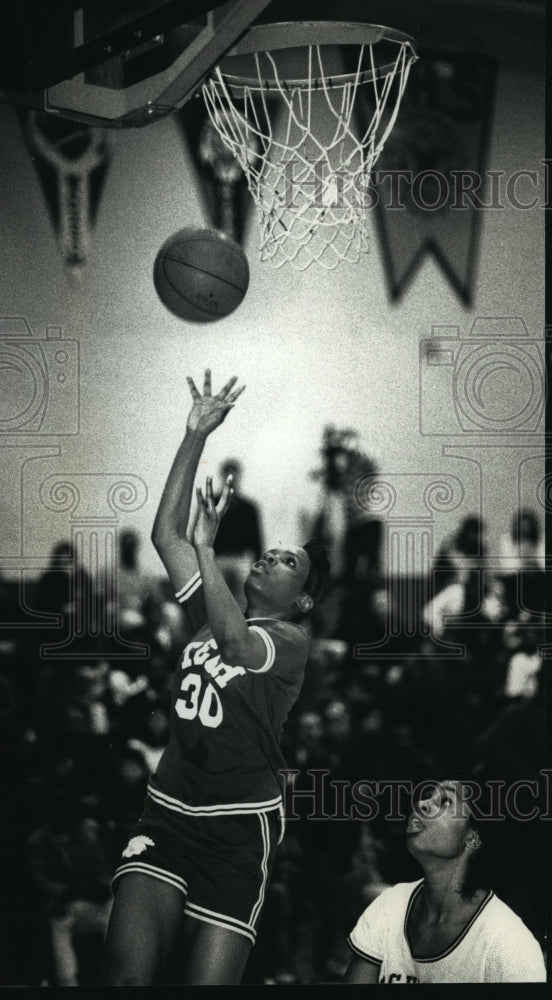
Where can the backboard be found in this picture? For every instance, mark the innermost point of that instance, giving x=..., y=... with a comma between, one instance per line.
x=119, y=64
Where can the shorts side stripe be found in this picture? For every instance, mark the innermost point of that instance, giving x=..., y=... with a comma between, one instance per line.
x=189, y=588
x=264, y=868
x=158, y=873
x=282, y=815
x=220, y=920
x=232, y=808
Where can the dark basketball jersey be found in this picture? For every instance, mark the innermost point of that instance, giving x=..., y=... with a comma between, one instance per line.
x=223, y=753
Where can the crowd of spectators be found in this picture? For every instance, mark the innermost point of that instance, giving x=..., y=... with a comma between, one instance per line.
x=83, y=734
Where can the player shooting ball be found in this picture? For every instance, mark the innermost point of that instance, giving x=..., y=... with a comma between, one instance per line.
x=193, y=877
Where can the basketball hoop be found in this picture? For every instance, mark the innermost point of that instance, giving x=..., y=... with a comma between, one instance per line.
x=283, y=101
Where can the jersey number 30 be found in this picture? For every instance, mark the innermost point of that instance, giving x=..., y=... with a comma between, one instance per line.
x=199, y=701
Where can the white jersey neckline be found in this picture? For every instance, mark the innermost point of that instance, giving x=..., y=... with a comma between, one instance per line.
x=457, y=940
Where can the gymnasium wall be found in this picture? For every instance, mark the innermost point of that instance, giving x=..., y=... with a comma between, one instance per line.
x=313, y=348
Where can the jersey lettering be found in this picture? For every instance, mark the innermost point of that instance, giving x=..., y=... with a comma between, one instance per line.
x=222, y=672
x=188, y=657
x=211, y=665
x=396, y=977
x=203, y=653
x=197, y=654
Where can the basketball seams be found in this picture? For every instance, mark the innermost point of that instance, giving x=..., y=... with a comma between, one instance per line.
x=201, y=270
x=201, y=275
x=202, y=310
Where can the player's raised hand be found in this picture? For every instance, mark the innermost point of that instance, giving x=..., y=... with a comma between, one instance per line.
x=208, y=411
x=209, y=513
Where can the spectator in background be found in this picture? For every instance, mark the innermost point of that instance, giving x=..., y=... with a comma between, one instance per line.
x=146, y=617
x=472, y=592
x=155, y=737
x=471, y=613
x=523, y=547
x=134, y=587
x=125, y=788
x=11, y=645
x=522, y=673
x=71, y=865
x=238, y=543
x=24, y=930
x=460, y=553
x=522, y=562
x=8, y=609
x=307, y=748
x=78, y=717
x=347, y=526
x=65, y=585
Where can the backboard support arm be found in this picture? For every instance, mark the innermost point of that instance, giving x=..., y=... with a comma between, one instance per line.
x=159, y=95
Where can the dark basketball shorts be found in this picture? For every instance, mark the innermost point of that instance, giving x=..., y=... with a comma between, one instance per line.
x=220, y=863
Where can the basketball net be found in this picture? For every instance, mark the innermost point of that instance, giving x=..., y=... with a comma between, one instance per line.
x=309, y=181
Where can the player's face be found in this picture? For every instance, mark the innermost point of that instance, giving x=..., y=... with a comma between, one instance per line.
x=440, y=823
x=279, y=576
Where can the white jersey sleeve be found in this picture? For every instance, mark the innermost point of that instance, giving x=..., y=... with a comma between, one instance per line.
x=514, y=955
x=368, y=939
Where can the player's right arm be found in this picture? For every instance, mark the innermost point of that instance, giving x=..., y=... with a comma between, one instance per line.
x=368, y=938
x=170, y=534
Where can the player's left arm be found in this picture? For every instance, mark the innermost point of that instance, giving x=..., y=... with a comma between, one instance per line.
x=514, y=956
x=238, y=645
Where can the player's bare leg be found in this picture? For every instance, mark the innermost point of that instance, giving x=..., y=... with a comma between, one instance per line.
x=145, y=920
x=212, y=956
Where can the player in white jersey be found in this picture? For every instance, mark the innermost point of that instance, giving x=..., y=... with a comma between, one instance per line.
x=193, y=877
x=443, y=928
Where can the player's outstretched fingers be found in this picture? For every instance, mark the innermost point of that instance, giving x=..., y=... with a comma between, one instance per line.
x=225, y=498
x=193, y=389
x=232, y=397
x=207, y=382
x=209, y=498
x=226, y=388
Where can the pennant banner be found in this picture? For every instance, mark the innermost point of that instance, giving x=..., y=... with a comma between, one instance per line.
x=71, y=160
x=429, y=183
x=223, y=185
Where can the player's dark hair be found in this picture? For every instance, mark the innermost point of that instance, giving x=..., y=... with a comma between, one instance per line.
x=319, y=568
x=479, y=873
